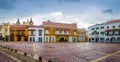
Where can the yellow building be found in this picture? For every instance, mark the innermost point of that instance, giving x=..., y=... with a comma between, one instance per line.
x=1, y=26
x=19, y=32
x=4, y=30
x=82, y=35
x=60, y=32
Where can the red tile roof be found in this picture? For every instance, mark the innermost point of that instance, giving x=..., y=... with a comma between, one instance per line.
x=60, y=25
x=113, y=21
x=18, y=27
x=35, y=26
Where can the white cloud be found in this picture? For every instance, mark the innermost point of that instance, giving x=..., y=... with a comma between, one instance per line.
x=88, y=17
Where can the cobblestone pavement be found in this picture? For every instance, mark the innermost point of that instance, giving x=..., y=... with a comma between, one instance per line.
x=4, y=58
x=71, y=52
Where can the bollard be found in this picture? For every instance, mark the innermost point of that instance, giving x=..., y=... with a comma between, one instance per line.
x=40, y=59
x=8, y=48
x=49, y=60
x=15, y=50
x=25, y=54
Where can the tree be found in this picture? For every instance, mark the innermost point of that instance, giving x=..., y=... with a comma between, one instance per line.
x=102, y=33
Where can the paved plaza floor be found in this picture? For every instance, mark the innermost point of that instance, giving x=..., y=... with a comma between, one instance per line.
x=71, y=52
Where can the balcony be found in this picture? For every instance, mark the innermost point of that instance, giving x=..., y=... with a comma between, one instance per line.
x=20, y=33
x=62, y=33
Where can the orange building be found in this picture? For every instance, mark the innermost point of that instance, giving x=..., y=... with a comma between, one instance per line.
x=60, y=32
x=19, y=32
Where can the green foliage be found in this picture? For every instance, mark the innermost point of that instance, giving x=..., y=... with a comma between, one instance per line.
x=95, y=32
x=102, y=33
x=114, y=29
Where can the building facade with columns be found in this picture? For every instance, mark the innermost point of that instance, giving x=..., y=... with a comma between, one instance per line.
x=19, y=32
x=59, y=32
x=105, y=32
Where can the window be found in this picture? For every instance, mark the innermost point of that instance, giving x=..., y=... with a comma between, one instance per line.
x=30, y=38
x=92, y=28
x=113, y=26
x=53, y=38
x=92, y=38
x=57, y=32
x=75, y=33
x=46, y=38
x=62, y=32
x=31, y=32
x=67, y=32
x=40, y=39
x=40, y=33
x=97, y=28
x=33, y=38
x=46, y=31
x=102, y=27
x=107, y=27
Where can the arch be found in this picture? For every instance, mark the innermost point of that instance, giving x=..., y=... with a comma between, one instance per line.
x=62, y=39
x=118, y=39
x=113, y=39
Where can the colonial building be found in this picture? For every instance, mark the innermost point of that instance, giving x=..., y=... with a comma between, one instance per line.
x=36, y=33
x=19, y=32
x=4, y=31
x=82, y=35
x=60, y=32
x=105, y=32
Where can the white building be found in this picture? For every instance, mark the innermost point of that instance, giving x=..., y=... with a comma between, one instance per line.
x=36, y=33
x=105, y=32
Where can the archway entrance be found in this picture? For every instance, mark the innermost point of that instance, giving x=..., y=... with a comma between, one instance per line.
x=112, y=39
x=62, y=39
x=118, y=39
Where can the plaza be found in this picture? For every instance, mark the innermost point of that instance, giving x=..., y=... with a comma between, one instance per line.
x=69, y=52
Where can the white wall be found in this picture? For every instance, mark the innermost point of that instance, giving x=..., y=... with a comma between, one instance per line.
x=37, y=34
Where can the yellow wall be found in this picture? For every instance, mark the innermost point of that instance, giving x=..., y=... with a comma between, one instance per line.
x=22, y=37
x=52, y=33
x=85, y=35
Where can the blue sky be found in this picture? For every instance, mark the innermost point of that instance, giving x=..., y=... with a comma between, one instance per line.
x=83, y=12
